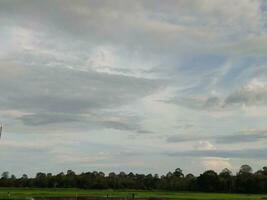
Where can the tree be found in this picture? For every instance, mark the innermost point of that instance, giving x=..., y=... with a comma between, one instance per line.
x=190, y=182
x=245, y=179
x=243, y=182
x=208, y=181
x=5, y=175
x=169, y=175
x=178, y=173
x=24, y=176
x=225, y=180
x=225, y=173
x=245, y=169
x=264, y=169
x=189, y=176
x=40, y=180
x=70, y=173
x=70, y=179
x=24, y=181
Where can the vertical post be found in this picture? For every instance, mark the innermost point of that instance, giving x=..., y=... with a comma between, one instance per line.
x=1, y=128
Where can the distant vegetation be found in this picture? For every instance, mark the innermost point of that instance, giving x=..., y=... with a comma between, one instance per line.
x=245, y=181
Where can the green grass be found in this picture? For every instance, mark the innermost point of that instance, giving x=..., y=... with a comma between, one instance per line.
x=17, y=193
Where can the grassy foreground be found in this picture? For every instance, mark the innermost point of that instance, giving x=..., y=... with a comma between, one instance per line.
x=27, y=193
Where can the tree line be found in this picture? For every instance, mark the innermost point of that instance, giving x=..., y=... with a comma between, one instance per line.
x=244, y=181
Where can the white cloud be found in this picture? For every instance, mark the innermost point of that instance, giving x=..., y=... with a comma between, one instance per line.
x=217, y=164
x=254, y=93
x=204, y=145
x=104, y=71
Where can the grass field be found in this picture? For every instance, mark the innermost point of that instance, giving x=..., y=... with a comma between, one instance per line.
x=16, y=193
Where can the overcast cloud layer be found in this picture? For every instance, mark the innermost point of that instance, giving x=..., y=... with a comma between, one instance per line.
x=141, y=86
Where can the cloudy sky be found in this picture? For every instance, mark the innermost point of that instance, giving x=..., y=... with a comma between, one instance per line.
x=143, y=86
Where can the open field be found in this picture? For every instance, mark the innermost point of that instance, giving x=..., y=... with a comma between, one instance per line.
x=17, y=193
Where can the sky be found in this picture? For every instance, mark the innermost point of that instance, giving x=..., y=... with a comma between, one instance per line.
x=143, y=86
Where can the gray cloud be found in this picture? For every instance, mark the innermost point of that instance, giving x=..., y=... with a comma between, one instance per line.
x=141, y=25
x=259, y=153
x=65, y=90
x=240, y=137
x=48, y=118
x=199, y=103
x=243, y=136
x=61, y=95
x=252, y=94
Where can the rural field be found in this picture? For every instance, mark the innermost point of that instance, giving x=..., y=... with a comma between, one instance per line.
x=133, y=100
x=15, y=193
